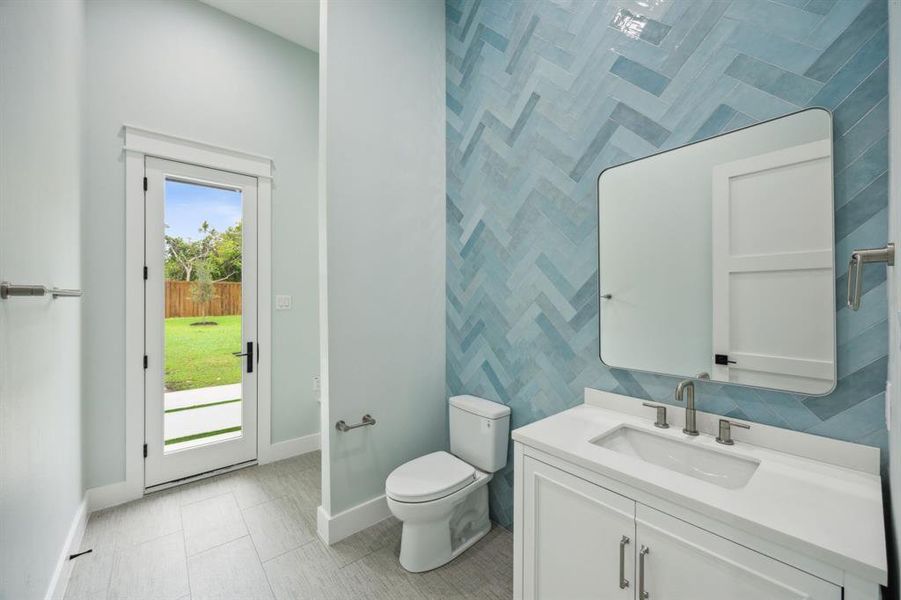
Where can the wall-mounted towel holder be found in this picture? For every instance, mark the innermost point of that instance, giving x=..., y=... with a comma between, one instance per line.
x=10, y=290
x=859, y=258
x=342, y=426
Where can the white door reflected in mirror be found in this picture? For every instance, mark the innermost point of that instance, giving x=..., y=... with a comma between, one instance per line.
x=718, y=257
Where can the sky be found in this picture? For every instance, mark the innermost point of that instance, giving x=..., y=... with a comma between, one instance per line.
x=188, y=205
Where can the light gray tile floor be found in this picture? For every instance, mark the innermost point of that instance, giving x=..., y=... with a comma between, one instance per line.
x=251, y=535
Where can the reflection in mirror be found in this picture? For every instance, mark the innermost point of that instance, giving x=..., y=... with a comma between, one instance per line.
x=718, y=257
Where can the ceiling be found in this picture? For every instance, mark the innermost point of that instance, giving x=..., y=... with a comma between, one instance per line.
x=294, y=20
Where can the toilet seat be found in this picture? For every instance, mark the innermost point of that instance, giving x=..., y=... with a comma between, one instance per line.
x=429, y=477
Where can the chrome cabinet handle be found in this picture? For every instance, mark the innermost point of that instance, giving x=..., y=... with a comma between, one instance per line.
x=855, y=269
x=642, y=593
x=623, y=582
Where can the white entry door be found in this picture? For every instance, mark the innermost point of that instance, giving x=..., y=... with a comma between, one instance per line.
x=200, y=390
x=773, y=281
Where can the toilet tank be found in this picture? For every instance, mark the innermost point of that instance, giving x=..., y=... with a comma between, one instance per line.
x=479, y=431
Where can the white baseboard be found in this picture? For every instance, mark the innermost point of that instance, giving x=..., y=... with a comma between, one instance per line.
x=121, y=492
x=57, y=588
x=288, y=448
x=112, y=494
x=334, y=528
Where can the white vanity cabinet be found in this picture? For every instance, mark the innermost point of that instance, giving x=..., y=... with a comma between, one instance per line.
x=579, y=540
x=582, y=541
x=682, y=562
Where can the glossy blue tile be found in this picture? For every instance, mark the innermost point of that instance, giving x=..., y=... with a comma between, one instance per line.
x=866, y=132
x=851, y=391
x=530, y=127
x=716, y=123
x=870, y=55
x=639, y=27
x=771, y=48
x=695, y=36
x=820, y=7
x=774, y=80
x=780, y=19
x=862, y=100
x=639, y=124
x=647, y=79
x=594, y=148
x=522, y=43
x=861, y=173
x=452, y=14
x=862, y=207
x=861, y=29
x=862, y=349
x=856, y=422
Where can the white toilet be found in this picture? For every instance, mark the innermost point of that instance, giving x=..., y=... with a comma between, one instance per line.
x=441, y=498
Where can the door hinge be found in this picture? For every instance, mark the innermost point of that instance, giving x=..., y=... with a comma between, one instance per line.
x=145, y=450
x=722, y=359
x=145, y=272
x=145, y=184
x=145, y=361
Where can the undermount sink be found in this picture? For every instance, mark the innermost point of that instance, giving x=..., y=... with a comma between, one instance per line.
x=724, y=470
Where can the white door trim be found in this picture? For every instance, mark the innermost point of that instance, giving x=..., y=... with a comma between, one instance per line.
x=140, y=143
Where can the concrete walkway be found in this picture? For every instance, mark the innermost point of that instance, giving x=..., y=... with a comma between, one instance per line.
x=206, y=395
x=192, y=421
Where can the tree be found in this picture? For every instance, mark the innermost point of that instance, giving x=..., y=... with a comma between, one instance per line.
x=219, y=252
x=202, y=288
x=183, y=256
x=225, y=260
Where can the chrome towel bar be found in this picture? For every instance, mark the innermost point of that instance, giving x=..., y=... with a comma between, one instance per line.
x=9, y=290
x=342, y=426
x=859, y=258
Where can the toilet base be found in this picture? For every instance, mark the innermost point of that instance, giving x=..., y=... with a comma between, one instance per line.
x=429, y=543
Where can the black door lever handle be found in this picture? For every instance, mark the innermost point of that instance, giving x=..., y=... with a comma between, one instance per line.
x=248, y=354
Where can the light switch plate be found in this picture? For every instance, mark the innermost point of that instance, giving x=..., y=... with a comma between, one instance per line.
x=282, y=302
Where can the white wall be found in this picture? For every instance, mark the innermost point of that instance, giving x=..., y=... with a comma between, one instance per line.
x=894, y=280
x=186, y=69
x=40, y=358
x=383, y=263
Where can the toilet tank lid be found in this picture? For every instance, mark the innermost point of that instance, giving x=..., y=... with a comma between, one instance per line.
x=480, y=406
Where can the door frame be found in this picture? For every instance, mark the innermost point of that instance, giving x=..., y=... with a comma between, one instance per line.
x=140, y=144
x=162, y=468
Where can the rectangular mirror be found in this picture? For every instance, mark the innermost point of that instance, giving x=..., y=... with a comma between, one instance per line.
x=718, y=258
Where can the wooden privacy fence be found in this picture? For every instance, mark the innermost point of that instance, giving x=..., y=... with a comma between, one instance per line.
x=179, y=303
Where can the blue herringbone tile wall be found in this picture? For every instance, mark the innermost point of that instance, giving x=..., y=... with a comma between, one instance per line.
x=543, y=95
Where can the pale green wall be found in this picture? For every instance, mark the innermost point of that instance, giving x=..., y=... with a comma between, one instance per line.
x=40, y=358
x=383, y=134
x=189, y=70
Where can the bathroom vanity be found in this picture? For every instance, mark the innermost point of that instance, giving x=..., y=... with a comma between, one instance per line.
x=609, y=506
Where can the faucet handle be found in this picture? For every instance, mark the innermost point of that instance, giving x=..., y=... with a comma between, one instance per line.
x=725, y=436
x=661, y=415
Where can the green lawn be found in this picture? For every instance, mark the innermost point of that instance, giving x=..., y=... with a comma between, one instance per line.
x=201, y=355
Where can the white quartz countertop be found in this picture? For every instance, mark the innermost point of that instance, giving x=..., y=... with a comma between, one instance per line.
x=831, y=513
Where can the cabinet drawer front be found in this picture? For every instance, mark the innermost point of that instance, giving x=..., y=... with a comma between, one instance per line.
x=578, y=538
x=685, y=562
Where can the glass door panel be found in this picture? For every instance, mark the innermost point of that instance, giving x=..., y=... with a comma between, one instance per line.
x=200, y=321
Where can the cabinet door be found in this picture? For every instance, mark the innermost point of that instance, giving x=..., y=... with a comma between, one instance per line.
x=578, y=538
x=683, y=562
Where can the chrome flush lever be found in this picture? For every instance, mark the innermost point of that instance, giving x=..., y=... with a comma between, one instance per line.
x=855, y=269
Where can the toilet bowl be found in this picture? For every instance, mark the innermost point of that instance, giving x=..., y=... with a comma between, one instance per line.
x=442, y=498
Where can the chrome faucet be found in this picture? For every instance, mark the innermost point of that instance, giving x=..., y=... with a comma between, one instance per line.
x=687, y=388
